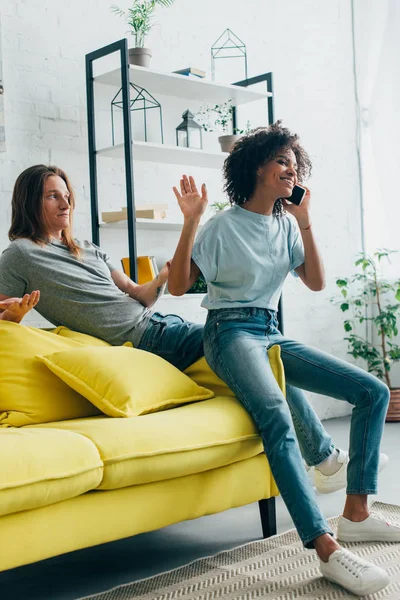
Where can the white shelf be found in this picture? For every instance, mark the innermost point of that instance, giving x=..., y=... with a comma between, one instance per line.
x=163, y=153
x=146, y=224
x=190, y=88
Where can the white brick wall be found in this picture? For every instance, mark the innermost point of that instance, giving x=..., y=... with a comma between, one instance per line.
x=306, y=44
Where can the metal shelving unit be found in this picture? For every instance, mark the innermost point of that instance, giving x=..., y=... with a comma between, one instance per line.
x=166, y=84
x=174, y=85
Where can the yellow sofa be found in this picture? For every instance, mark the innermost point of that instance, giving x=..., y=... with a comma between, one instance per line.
x=77, y=482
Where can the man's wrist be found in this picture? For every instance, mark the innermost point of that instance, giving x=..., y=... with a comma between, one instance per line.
x=161, y=280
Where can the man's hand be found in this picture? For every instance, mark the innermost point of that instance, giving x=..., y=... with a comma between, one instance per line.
x=16, y=308
x=191, y=202
x=163, y=274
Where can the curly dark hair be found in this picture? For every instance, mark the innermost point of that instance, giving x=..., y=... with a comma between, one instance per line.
x=254, y=150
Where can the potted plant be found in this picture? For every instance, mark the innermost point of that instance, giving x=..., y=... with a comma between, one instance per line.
x=219, y=206
x=375, y=300
x=199, y=286
x=219, y=118
x=139, y=18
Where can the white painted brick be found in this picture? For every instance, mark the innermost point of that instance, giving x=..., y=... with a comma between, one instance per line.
x=29, y=123
x=59, y=127
x=70, y=113
x=46, y=109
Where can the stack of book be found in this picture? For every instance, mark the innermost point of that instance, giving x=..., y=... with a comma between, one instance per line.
x=191, y=72
x=143, y=211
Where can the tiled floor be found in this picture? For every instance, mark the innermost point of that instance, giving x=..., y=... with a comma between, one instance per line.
x=72, y=576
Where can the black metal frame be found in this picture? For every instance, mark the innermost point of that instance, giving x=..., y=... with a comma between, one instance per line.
x=122, y=47
x=215, y=51
x=266, y=506
x=148, y=104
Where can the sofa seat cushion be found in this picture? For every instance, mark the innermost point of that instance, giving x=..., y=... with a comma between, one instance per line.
x=173, y=443
x=43, y=466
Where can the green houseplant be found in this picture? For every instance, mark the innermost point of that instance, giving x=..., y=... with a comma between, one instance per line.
x=139, y=18
x=373, y=302
x=219, y=118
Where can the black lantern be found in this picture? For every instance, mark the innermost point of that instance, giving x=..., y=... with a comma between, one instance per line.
x=188, y=133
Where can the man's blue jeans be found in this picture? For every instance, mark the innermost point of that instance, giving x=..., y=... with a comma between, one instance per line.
x=174, y=339
x=235, y=343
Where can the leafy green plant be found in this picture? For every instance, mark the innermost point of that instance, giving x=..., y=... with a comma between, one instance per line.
x=139, y=17
x=371, y=298
x=219, y=118
x=219, y=206
x=199, y=286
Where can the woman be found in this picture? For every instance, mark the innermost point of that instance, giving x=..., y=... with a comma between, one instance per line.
x=79, y=286
x=245, y=254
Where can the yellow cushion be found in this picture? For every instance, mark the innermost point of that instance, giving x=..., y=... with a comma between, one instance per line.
x=124, y=382
x=201, y=373
x=30, y=393
x=174, y=443
x=43, y=466
x=82, y=338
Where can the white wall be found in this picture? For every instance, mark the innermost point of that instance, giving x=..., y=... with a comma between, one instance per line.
x=306, y=44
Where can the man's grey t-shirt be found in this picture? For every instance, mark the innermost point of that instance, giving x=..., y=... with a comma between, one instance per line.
x=78, y=293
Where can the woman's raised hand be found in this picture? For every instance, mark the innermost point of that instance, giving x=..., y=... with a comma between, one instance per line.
x=191, y=202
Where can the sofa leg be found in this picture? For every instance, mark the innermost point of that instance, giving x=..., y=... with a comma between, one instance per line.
x=268, y=516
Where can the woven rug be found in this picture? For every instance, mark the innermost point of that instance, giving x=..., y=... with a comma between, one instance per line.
x=278, y=568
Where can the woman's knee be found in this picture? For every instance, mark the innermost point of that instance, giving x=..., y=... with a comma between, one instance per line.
x=379, y=392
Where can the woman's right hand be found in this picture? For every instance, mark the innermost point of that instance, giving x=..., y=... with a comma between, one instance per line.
x=16, y=308
x=191, y=202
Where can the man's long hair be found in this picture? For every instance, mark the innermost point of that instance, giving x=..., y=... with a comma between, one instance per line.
x=28, y=218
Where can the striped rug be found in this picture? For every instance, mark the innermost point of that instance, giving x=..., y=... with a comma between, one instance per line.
x=278, y=568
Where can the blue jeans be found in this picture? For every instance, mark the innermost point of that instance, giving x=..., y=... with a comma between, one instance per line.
x=174, y=339
x=235, y=344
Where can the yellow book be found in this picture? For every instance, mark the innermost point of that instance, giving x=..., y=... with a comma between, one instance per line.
x=146, y=268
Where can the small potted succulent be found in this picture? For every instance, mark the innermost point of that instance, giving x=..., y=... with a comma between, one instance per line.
x=373, y=299
x=219, y=118
x=139, y=19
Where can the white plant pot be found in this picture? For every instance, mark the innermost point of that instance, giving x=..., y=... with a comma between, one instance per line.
x=227, y=141
x=140, y=57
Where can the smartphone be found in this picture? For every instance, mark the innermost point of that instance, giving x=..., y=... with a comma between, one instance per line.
x=297, y=195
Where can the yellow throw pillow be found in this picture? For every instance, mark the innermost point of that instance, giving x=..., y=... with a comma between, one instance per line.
x=202, y=374
x=30, y=393
x=82, y=338
x=124, y=382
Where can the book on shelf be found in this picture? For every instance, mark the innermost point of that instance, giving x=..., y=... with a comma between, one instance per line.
x=191, y=72
x=146, y=267
x=143, y=211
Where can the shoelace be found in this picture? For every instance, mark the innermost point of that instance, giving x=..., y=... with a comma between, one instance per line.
x=354, y=566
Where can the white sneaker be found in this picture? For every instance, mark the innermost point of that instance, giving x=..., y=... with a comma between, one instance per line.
x=373, y=529
x=355, y=574
x=326, y=484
